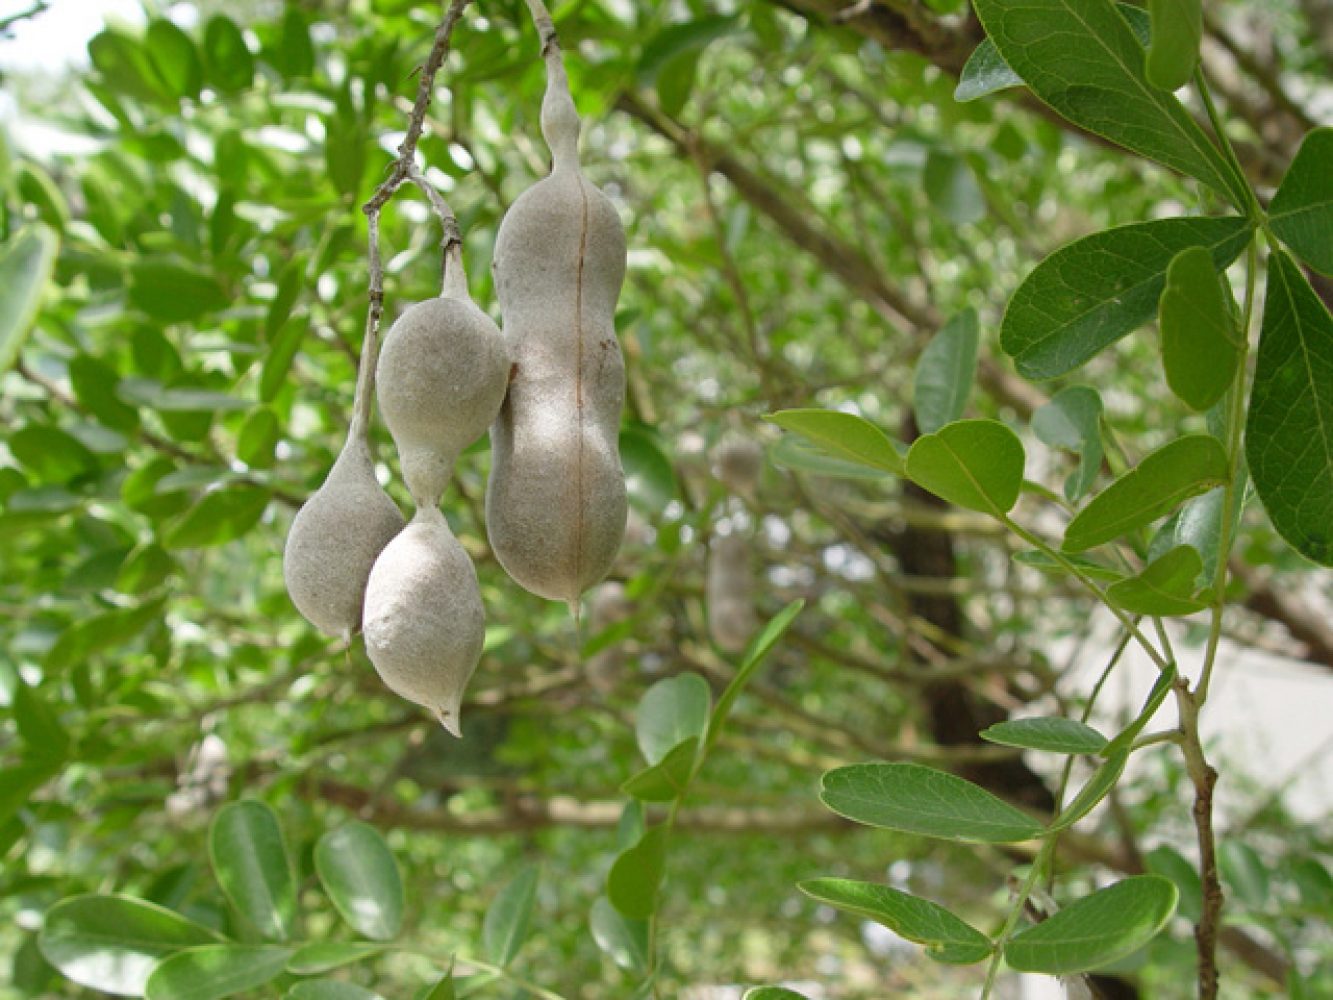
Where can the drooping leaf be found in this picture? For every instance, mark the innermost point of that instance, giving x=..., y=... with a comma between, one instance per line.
x=1201, y=346
x=1289, y=430
x=359, y=873
x=213, y=971
x=1301, y=213
x=505, y=928
x=624, y=940
x=636, y=875
x=1177, y=30
x=251, y=865
x=945, y=372
x=977, y=464
x=947, y=938
x=1051, y=734
x=671, y=711
x=1165, y=478
x=1166, y=586
x=1090, y=293
x=1096, y=930
x=922, y=800
x=1084, y=61
x=843, y=435
x=1073, y=420
x=1093, y=791
x=26, y=262
x=111, y=943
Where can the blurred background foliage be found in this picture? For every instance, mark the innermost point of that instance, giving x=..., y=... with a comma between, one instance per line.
x=806, y=204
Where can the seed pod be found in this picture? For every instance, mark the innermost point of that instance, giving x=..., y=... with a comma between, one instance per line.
x=555, y=503
x=737, y=464
x=335, y=539
x=442, y=377
x=424, y=623
x=729, y=593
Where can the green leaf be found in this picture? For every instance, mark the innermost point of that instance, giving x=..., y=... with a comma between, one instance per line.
x=945, y=372
x=94, y=385
x=325, y=956
x=1097, y=788
x=985, y=72
x=174, y=292
x=843, y=435
x=444, y=989
x=344, y=153
x=670, y=58
x=922, y=800
x=228, y=64
x=1072, y=420
x=123, y=63
x=174, y=59
x=1244, y=872
x=281, y=353
x=947, y=938
x=1047, y=564
x=772, y=993
x=951, y=188
x=258, y=438
x=213, y=971
x=977, y=464
x=505, y=928
x=636, y=875
x=760, y=646
x=668, y=778
x=1090, y=293
x=295, y=53
x=1289, y=430
x=1096, y=930
x=625, y=941
x=1197, y=524
x=1083, y=60
x=1201, y=347
x=671, y=711
x=1177, y=30
x=1165, y=478
x=19, y=782
x=650, y=480
x=26, y=262
x=251, y=865
x=801, y=455
x=359, y=873
x=1170, y=863
x=1124, y=739
x=1166, y=586
x=220, y=516
x=1301, y=213
x=111, y=943
x=37, y=188
x=50, y=454
x=1052, y=734
x=329, y=989
x=39, y=725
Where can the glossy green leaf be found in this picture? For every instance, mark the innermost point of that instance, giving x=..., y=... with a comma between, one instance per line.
x=1090, y=293
x=1084, y=61
x=26, y=262
x=650, y=480
x=228, y=64
x=94, y=384
x=947, y=938
x=329, y=989
x=636, y=875
x=1124, y=739
x=37, y=188
x=760, y=646
x=123, y=63
x=1289, y=430
x=38, y=723
x=1301, y=213
x=843, y=435
x=1052, y=734
x=670, y=58
x=295, y=52
x=671, y=711
x=922, y=800
x=1197, y=524
x=668, y=778
x=1164, y=479
x=1093, y=791
x=258, y=438
x=1166, y=861
x=624, y=940
x=1166, y=586
x=213, y=971
x=174, y=292
x=951, y=188
x=1047, y=564
x=174, y=58
x=221, y=516
x=282, y=351
x=359, y=873
x=1201, y=347
x=945, y=373
x=324, y=956
x=1072, y=420
x=251, y=865
x=1096, y=930
x=52, y=455
x=505, y=928
x=801, y=455
x=1177, y=30
x=977, y=464
x=20, y=781
x=111, y=943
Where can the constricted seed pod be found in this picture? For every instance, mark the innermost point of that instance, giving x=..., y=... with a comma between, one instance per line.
x=555, y=503
x=729, y=593
x=442, y=377
x=336, y=537
x=424, y=622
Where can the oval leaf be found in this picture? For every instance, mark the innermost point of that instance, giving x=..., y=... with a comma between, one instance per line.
x=636, y=875
x=1052, y=734
x=1165, y=587
x=1177, y=30
x=214, y=971
x=1168, y=476
x=1072, y=420
x=1201, y=347
x=917, y=799
x=668, y=778
x=843, y=435
x=946, y=937
x=1301, y=213
x=251, y=864
x=1097, y=930
x=359, y=873
x=624, y=940
x=325, y=956
x=670, y=712
x=945, y=372
x=26, y=262
x=977, y=464
x=506, y=925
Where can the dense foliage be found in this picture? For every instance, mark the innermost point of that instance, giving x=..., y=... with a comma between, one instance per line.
x=821, y=230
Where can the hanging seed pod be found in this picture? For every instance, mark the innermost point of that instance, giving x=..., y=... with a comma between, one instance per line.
x=729, y=593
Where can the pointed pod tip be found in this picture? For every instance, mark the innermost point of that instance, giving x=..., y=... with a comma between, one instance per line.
x=449, y=717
